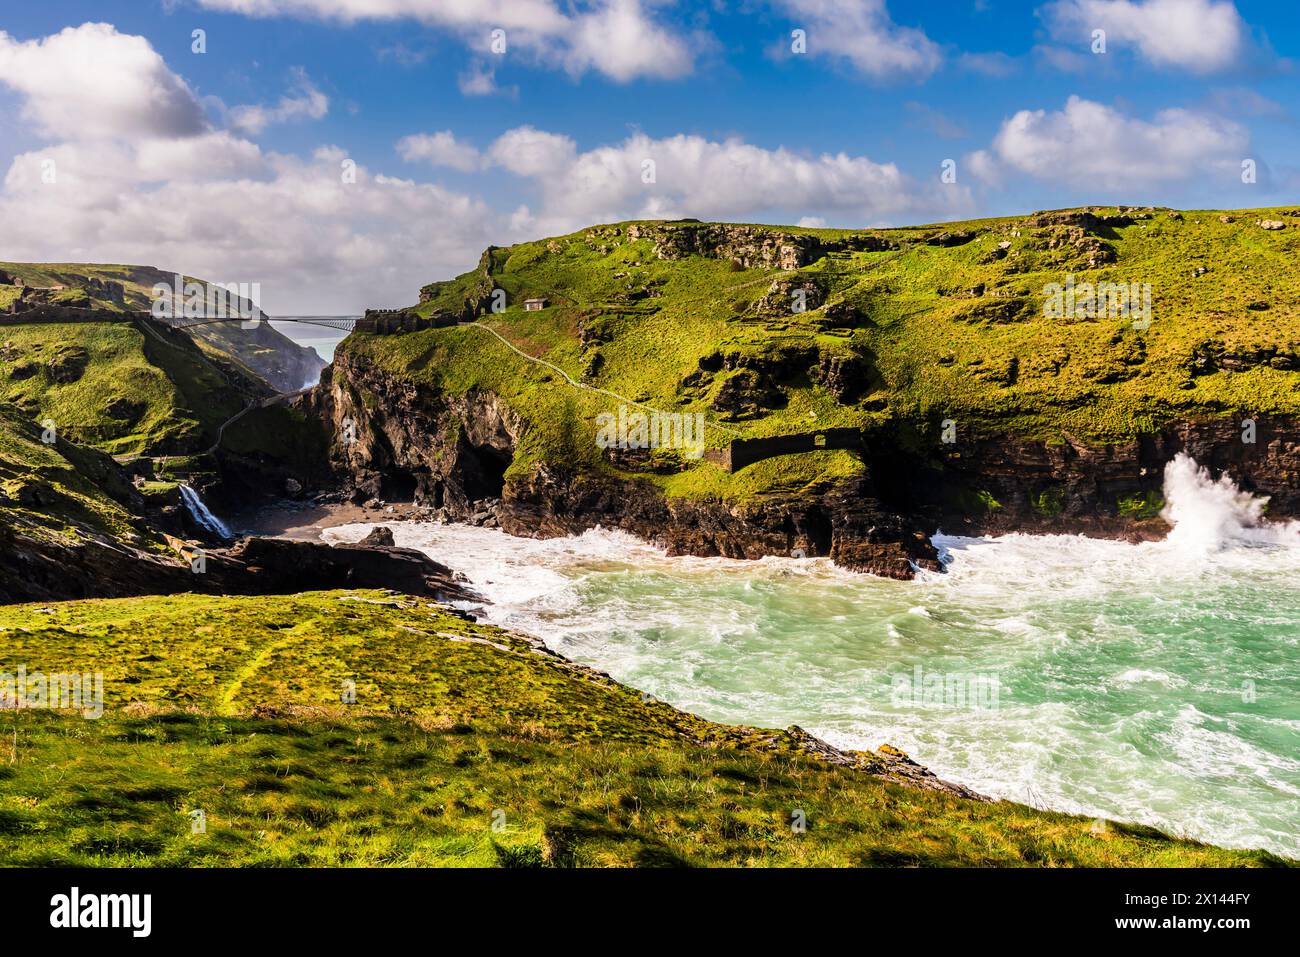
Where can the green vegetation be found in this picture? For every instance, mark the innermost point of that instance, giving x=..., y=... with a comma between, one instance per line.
x=1048, y=502
x=116, y=386
x=125, y=385
x=231, y=706
x=59, y=490
x=923, y=323
x=1143, y=506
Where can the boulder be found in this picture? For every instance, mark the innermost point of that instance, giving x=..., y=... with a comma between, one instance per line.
x=378, y=537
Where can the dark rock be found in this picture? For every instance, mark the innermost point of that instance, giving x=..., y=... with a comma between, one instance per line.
x=381, y=536
x=847, y=375
x=744, y=394
x=68, y=365
x=47, y=570
x=124, y=410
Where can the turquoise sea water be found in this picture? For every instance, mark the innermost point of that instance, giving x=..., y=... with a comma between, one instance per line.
x=1157, y=683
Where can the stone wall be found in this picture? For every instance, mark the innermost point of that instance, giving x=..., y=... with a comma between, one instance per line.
x=744, y=452
x=385, y=322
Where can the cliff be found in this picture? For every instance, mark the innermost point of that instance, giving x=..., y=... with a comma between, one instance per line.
x=71, y=292
x=1030, y=373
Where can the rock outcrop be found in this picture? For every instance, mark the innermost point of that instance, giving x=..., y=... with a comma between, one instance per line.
x=751, y=247
x=45, y=569
x=395, y=440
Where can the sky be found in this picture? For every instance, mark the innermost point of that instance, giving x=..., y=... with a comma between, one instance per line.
x=342, y=153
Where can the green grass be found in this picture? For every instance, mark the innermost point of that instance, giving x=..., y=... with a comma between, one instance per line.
x=465, y=747
x=182, y=388
x=940, y=332
x=78, y=493
x=133, y=393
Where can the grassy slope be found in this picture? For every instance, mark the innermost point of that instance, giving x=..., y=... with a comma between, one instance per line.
x=173, y=398
x=231, y=706
x=72, y=484
x=939, y=351
x=250, y=350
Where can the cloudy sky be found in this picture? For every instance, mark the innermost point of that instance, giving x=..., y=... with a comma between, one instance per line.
x=341, y=153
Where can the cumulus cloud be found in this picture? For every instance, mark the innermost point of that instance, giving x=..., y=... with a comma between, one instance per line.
x=142, y=177
x=1198, y=35
x=645, y=177
x=618, y=38
x=304, y=101
x=526, y=151
x=862, y=33
x=91, y=81
x=316, y=241
x=139, y=176
x=1089, y=144
x=438, y=149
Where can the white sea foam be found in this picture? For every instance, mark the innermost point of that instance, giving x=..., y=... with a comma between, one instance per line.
x=1120, y=666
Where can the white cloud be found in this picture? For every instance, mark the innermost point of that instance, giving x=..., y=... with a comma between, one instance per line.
x=135, y=185
x=533, y=15
x=438, y=149
x=1198, y=35
x=618, y=38
x=139, y=177
x=91, y=81
x=305, y=102
x=1090, y=145
x=478, y=79
x=683, y=175
x=211, y=155
x=526, y=151
x=862, y=32
x=313, y=241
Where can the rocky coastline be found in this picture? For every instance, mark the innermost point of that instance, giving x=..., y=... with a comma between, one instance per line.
x=450, y=454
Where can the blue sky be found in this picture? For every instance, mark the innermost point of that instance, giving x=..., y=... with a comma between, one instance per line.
x=227, y=163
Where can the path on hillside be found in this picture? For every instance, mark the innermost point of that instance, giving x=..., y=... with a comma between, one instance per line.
x=124, y=459
x=221, y=429
x=582, y=385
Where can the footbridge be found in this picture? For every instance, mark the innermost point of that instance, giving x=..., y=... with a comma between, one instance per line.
x=341, y=323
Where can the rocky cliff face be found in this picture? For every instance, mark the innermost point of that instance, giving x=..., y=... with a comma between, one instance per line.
x=452, y=453
x=763, y=326
x=393, y=440
x=999, y=484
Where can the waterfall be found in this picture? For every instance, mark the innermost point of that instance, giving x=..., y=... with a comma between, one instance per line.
x=202, y=515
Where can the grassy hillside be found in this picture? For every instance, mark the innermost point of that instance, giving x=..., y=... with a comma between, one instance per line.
x=58, y=490
x=260, y=351
x=119, y=386
x=466, y=746
x=903, y=328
